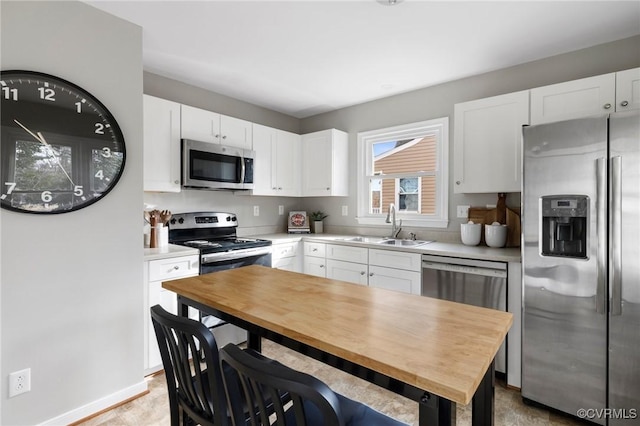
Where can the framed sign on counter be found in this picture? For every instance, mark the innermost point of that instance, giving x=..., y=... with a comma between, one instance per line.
x=298, y=223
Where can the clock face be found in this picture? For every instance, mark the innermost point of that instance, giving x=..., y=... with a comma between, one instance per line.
x=60, y=148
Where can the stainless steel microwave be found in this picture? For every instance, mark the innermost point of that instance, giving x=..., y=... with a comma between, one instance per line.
x=212, y=166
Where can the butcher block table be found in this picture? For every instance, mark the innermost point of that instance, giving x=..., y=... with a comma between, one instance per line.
x=435, y=352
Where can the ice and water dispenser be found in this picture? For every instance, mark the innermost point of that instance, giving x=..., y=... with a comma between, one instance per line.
x=564, y=225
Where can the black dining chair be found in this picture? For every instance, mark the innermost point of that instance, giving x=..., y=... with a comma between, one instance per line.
x=192, y=368
x=312, y=403
x=191, y=364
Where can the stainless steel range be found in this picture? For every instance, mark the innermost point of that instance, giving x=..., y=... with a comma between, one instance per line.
x=214, y=235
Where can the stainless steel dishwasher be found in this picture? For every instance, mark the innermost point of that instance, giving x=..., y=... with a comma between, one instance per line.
x=474, y=282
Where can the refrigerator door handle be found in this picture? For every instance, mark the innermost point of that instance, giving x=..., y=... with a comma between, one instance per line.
x=601, y=230
x=615, y=270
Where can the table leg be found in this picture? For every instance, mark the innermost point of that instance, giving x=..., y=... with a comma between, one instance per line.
x=433, y=410
x=254, y=342
x=183, y=308
x=483, y=403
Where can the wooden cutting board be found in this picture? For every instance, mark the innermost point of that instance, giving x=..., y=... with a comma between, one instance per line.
x=488, y=216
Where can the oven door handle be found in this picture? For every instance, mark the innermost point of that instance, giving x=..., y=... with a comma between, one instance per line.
x=234, y=254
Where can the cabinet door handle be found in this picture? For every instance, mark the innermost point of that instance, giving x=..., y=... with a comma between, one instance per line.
x=217, y=136
x=607, y=106
x=362, y=273
x=224, y=136
x=624, y=103
x=322, y=266
x=457, y=182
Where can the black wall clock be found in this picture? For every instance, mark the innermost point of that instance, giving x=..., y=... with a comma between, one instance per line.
x=60, y=148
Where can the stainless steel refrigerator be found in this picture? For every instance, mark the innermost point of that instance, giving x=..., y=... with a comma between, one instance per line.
x=581, y=267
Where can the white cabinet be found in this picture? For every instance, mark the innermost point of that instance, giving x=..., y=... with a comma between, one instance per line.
x=573, y=99
x=161, y=158
x=487, y=143
x=356, y=273
x=285, y=256
x=347, y=263
x=314, y=259
x=394, y=279
x=207, y=126
x=347, y=253
x=388, y=269
x=614, y=92
x=325, y=163
x=628, y=90
x=155, y=272
x=277, y=162
x=395, y=270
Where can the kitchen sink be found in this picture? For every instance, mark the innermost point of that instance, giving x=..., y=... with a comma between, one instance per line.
x=404, y=243
x=375, y=240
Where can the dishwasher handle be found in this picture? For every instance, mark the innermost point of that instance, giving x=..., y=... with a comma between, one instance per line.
x=472, y=270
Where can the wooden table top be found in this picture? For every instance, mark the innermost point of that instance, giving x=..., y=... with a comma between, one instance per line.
x=435, y=345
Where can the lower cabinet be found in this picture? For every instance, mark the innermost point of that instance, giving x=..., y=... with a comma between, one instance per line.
x=286, y=256
x=356, y=273
x=388, y=269
x=155, y=272
x=314, y=262
x=395, y=279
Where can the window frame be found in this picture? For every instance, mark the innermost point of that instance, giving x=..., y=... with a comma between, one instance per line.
x=438, y=127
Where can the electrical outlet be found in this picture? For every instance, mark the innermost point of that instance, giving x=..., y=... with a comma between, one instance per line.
x=345, y=210
x=280, y=210
x=463, y=211
x=19, y=382
x=256, y=210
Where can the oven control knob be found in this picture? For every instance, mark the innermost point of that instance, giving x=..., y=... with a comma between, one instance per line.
x=228, y=218
x=172, y=221
x=181, y=221
x=234, y=219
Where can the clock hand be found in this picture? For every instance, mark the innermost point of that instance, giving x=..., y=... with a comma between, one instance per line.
x=42, y=140
x=27, y=130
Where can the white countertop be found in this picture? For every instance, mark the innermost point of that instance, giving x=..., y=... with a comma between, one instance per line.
x=169, y=251
x=434, y=248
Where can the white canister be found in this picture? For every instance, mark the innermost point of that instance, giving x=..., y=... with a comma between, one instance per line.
x=162, y=233
x=495, y=235
x=471, y=233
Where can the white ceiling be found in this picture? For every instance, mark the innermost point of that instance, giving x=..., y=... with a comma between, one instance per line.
x=307, y=57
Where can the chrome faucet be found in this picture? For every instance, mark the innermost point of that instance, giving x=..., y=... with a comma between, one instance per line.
x=391, y=218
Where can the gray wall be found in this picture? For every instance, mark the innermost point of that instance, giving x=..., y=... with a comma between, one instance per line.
x=438, y=101
x=431, y=102
x=71, y=283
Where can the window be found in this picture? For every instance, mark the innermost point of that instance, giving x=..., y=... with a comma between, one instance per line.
x=407, y=166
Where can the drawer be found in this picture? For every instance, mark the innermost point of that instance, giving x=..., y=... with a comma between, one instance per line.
x=172, y=268
x=314, y=249
x=395, y=259
x=348, y=253
x=284, y=250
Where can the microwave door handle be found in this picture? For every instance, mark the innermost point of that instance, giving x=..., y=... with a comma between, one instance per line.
x=242, y=169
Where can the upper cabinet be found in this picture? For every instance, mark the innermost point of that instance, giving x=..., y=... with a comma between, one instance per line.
x=628, y=89
x=207, y=126
x=277, y=163
x=325, y=163
x=588, y=96
x=487, y=143
x=161, y=159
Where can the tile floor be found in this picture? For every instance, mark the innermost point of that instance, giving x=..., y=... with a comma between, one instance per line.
x=152, y=409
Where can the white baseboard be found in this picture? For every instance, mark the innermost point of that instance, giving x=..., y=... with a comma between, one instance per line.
x=97, y=405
